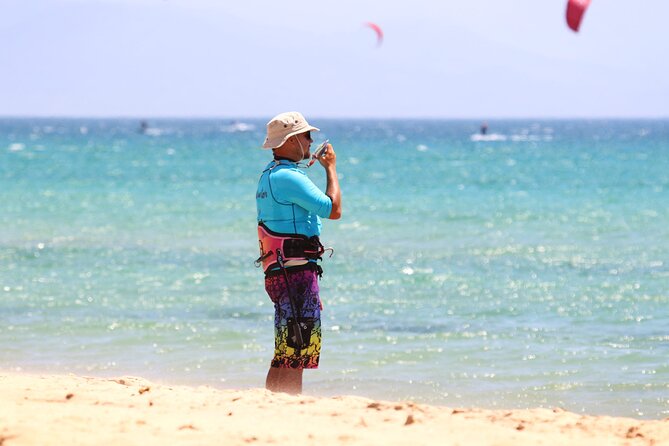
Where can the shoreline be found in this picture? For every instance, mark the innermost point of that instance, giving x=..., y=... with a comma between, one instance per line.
x=38, y=409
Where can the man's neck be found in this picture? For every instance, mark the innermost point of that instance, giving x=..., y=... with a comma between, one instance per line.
x=283, y=158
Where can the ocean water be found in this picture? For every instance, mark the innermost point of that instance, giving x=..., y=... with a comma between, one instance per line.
x=527, y=268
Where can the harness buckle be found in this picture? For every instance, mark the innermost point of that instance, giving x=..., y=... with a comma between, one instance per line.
x=258, y=261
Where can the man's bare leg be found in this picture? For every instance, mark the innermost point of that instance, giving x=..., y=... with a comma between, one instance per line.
x=284, y=380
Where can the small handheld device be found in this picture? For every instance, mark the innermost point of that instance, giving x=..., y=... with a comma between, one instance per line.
x=320, y=151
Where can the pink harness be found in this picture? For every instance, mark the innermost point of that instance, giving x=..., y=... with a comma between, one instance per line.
x=281, y=250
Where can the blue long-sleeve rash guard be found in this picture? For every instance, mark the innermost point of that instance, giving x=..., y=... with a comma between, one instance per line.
x=289, y=202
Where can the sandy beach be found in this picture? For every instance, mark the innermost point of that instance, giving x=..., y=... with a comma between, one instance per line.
x=75, y=410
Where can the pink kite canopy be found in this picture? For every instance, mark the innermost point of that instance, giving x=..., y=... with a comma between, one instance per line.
x=379, y=32
x=575, y=11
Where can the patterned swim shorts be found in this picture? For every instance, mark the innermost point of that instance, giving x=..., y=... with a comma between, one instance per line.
x=304, y=285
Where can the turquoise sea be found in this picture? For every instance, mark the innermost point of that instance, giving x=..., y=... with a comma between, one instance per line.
x=527, y=268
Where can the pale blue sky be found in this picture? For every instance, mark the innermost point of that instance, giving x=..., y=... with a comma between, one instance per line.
x=481, y=59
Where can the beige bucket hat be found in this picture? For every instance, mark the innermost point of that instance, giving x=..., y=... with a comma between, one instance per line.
x=283, y=126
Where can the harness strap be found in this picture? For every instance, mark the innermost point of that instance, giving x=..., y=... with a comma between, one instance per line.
x=295, y=322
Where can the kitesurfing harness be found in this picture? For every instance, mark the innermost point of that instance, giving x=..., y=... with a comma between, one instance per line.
x=294, y=249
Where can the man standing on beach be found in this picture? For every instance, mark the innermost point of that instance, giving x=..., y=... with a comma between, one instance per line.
x=289, y=210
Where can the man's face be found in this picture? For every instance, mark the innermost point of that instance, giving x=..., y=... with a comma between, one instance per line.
x=302, y=145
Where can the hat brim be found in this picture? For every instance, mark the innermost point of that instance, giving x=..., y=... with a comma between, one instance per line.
x=279, y=141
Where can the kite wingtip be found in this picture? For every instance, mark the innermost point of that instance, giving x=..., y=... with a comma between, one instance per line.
x=575, y=12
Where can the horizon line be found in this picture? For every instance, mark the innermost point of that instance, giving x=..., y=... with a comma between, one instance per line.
x=317, y=117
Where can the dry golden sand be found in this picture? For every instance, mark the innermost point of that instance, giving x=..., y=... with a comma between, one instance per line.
x=73, y=410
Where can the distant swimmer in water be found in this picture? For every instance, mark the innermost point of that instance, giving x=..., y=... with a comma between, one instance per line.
x=143, y=126
x=484, y=128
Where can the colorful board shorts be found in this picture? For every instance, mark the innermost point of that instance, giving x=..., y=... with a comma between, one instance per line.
x=304, y=285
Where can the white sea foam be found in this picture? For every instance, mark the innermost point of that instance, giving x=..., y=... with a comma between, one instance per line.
x=152, y=131
x=477, y=137
x=235, y=127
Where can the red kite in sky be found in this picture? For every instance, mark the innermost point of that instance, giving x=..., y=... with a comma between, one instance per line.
x=575, y=11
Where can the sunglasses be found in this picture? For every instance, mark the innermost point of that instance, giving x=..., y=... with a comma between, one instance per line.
x=308, y=135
